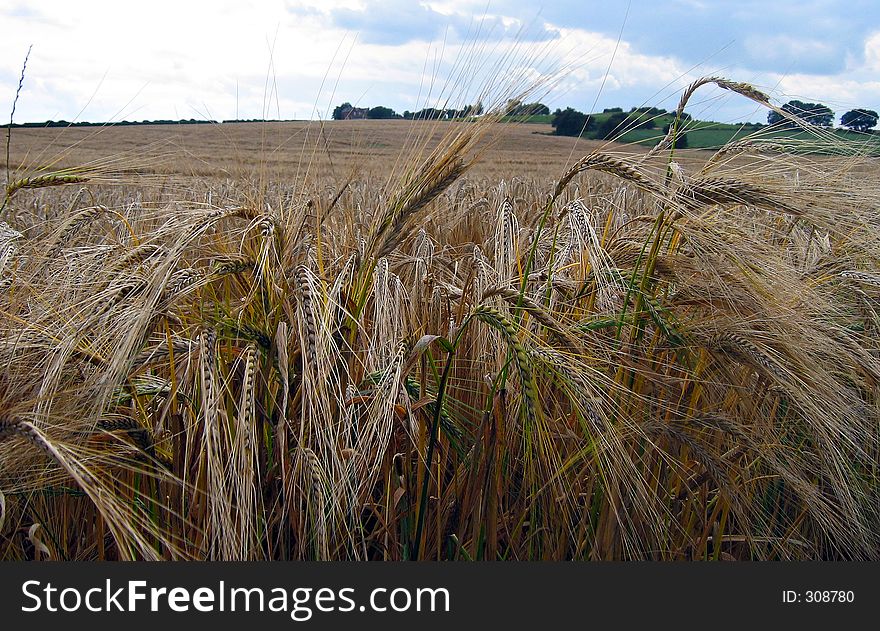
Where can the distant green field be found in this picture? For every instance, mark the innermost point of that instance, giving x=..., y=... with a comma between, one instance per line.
x=712, y=135
x=700, y=134
x=709, y=136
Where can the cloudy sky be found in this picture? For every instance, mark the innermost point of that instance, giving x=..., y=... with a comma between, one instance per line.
x=99, y=61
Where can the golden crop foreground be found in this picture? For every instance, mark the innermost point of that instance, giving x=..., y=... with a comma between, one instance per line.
x=662, y=355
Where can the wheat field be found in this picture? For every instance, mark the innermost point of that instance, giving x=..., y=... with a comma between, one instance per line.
x=436, y=341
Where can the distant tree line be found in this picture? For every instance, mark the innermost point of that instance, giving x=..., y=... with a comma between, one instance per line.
x=821, y=115
x=64, y=123
x=163, y=121
x=614, y=122
x=567, y=122
x=347, y=111
x=258, y=120
x=517, y=108
x=571, y=122
x=513, y=108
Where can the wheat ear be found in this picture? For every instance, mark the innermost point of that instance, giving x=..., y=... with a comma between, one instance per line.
x=744, y=89
x=495, y=318
x=600, y=161
x=709, y=191
x=521, y=301
x=40, y=181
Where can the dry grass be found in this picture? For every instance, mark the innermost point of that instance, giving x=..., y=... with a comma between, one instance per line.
x=355, y=343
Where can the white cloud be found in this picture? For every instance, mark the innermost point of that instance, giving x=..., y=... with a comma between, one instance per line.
x=785, y=49
x=872, y=53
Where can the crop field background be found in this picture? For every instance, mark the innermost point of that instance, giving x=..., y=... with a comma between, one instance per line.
x=327, y=152
x=389, y=340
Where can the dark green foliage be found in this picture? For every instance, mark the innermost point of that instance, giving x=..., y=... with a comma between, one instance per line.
x=570, y=122
x=381, y=112
x=430, y=113
x=433, y=113
x=859, y=120
x=533, y=109
x=811, y=113
x=339, y=111
x=518, y=108
x=612, y=126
